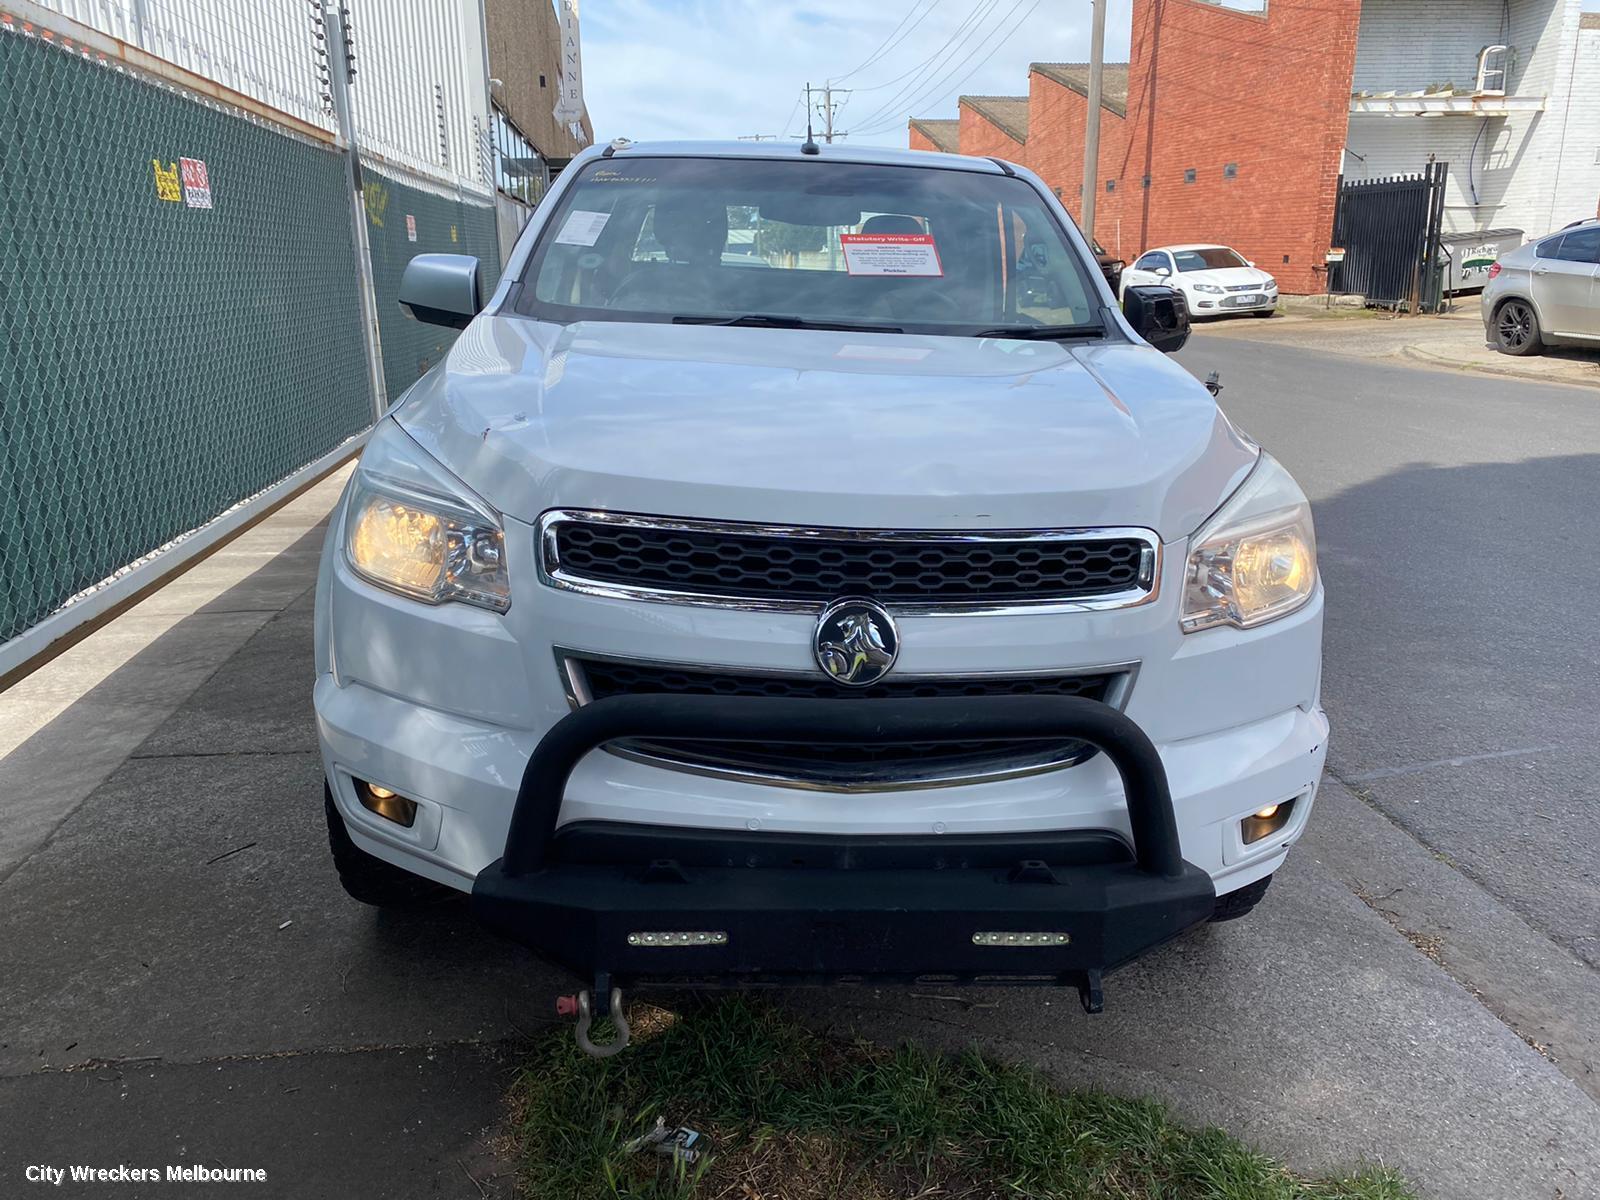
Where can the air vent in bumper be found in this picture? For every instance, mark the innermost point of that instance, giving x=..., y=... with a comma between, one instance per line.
x=864, y=766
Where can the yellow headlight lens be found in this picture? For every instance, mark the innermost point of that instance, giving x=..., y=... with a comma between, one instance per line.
x=398, y=544
x=429, y=555
x=1271, y=569
x=412, y=527
x=1256, y=559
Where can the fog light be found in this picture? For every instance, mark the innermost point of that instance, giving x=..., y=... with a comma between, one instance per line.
x=1007, y=937
x=1265, y=822
x=389, y=805
x=679, y=937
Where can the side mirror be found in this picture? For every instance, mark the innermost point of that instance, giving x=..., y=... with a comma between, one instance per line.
x=1159, y=315
x=1250, y=262
x=1163, y=271
x=441, y=289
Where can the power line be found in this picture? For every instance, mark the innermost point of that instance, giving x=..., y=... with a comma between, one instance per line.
x=952, y=46
x=938, y=96
x=790, y=121
x=885, y=47
x=934, y=62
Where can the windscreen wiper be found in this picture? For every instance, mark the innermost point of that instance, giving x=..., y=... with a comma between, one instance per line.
x=1043, y=333
x=766, y=321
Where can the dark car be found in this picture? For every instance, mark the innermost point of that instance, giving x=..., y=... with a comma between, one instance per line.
x=1110, y=267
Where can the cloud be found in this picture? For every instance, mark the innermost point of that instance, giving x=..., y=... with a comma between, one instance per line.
x=728, y=68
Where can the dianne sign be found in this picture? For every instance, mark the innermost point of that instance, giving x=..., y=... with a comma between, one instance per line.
x=890, y=254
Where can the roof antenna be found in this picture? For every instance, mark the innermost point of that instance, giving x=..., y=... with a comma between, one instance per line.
x=809, y=146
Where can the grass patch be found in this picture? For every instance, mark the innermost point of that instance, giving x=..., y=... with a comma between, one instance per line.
x=791, y=1115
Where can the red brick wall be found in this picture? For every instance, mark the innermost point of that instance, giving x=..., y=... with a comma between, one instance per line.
x=1056, y=117
x=918, y=140
x=982, y=137
x=1207, y=87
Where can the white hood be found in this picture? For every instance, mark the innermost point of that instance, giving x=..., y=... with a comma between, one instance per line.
x=1228, y=277
x=826, y=428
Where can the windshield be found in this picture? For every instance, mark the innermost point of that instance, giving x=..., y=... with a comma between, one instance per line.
x=912, y=249
x=1207, y=259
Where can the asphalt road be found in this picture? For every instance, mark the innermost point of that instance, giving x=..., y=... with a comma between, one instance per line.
x=181, y=979
x=1454, y=517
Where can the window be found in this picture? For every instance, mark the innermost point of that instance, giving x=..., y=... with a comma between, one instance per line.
x=1111, y=185
x=1189, y=175
x=1152, y=261
x=1493, y=62
x=1207, y=258
x=541, y=81
x=519, y=169
x=904, y=248
x=1577, y=245
x=1230, y=171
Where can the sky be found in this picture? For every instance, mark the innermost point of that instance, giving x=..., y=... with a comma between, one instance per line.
x=733, y=68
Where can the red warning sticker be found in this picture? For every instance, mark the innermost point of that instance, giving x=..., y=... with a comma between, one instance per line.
x=890, y=254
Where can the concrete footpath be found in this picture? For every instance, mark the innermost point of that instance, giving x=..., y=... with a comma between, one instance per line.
x=1455, y=340
x=182, y=980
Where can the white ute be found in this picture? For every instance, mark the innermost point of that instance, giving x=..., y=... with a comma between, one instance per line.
x=864, y=596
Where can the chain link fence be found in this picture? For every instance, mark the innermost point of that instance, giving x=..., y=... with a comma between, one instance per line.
x=161, y=360
x=181, y=299
x=405, y=219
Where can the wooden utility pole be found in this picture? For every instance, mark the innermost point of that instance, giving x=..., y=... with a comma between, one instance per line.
x=1091, y=126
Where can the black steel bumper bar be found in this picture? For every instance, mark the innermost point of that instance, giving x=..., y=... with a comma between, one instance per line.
x=798, y=921
x=777, y=719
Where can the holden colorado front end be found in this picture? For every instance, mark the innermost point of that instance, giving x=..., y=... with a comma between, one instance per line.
x=801, y=570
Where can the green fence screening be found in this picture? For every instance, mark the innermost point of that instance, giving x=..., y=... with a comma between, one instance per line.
x=159, y=360
x=404, y=220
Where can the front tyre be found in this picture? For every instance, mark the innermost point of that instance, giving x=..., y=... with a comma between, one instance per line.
x=1516, y=329
x=1240, y=903
x=368, y=878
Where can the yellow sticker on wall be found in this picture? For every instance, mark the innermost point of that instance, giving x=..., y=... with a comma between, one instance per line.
x=167, y=186
x=453, y=237
x=376, y=198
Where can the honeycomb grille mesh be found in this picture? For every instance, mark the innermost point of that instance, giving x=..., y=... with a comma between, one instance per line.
x=835, y=762
x=774, y=566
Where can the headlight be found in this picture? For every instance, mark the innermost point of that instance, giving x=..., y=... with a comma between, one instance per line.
x=414, y=528
x=1271, y=284
x=1255, y=560
x=1208, y=287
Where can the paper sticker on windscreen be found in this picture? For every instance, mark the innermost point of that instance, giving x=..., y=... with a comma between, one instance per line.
x=890, y=254
x=582, y=228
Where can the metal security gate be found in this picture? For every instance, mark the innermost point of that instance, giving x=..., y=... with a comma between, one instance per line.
x=1389, y=230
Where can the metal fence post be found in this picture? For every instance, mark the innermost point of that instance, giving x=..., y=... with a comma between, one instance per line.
x=339, y=72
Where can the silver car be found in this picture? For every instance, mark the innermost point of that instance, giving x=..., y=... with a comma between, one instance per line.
x=1546, y=293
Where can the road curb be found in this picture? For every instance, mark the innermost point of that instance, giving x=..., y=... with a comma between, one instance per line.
x=1421, y=355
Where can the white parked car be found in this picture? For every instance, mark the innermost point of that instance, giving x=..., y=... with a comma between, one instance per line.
x=912, y=616
x=1215, y=280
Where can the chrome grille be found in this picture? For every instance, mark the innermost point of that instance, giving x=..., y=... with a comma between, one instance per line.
x=784, y=567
